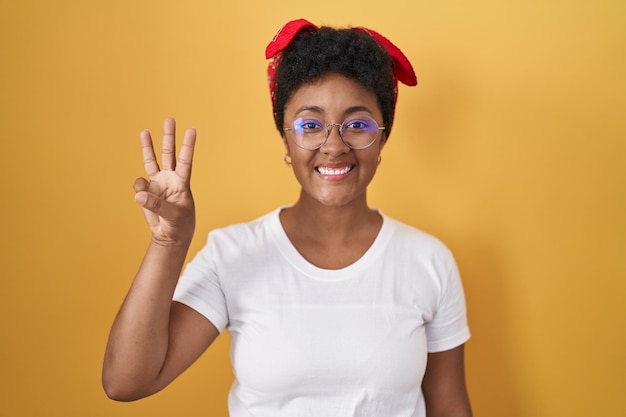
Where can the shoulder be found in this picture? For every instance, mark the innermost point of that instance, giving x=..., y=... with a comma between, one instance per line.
x=239, y=240
x=415, y=240
x=244, y=230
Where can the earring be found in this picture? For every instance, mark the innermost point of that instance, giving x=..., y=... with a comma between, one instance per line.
x=287, y=160
x=380, y=158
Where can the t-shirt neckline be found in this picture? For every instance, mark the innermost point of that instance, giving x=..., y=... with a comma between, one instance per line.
x=298, y=261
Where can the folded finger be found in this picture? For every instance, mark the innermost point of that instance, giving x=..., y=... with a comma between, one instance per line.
x=141, y=184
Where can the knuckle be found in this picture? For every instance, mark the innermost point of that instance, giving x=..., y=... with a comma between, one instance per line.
x=183, y=161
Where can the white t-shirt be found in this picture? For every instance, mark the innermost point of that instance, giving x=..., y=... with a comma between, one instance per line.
x=313, y=342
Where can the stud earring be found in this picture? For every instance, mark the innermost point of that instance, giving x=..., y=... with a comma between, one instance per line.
x=380, y=158
x=287, y=160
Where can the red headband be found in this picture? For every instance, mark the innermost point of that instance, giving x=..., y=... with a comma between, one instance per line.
x=402, y=69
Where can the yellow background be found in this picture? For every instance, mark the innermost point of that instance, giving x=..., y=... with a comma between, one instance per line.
x=511, y=150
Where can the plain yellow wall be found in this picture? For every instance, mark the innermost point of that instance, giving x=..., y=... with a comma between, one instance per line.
x=511, y=150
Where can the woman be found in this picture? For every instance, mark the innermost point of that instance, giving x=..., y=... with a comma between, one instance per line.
x=334, y=309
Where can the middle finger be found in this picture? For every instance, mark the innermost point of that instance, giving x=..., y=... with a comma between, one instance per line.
x=168, y=152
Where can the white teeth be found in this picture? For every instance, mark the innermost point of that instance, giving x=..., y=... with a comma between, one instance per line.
x=333, y=171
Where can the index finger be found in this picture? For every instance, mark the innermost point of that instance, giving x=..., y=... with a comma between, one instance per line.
x=185, y=156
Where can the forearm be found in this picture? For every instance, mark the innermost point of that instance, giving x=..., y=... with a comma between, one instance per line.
x=139, y=338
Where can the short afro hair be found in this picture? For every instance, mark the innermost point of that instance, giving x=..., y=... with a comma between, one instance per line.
x=351, y=52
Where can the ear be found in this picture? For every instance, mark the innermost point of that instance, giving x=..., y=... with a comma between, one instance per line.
x=383, y=142
x=284, y=138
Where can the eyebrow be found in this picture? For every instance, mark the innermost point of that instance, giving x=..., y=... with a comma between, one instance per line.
x=349, y=110
x=315, y=109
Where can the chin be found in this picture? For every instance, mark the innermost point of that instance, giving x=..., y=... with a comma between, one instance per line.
x=334, y=200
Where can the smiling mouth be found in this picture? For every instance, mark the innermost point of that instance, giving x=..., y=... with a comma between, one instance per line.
x=334, y=171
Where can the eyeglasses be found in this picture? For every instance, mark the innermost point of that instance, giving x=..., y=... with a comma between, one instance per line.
x=356, y=132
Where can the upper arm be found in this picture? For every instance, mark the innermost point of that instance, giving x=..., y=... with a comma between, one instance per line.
x=190, y=334
x=444, y=388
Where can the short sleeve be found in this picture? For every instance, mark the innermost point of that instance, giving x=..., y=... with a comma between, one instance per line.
x=199, y=287
x=448, y=327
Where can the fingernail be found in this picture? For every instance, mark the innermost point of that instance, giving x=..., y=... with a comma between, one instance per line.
x=141, y=199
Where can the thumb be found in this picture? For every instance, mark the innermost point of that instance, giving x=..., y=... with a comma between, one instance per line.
x=145, y=198
x=151, y=202
x=158, y=206
x=141, y=187
x=142, y=198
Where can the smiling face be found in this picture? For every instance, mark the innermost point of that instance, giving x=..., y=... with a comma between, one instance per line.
x=333, y=175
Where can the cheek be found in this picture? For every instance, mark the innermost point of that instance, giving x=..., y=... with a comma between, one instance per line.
x=300, y=161
x=373, y=155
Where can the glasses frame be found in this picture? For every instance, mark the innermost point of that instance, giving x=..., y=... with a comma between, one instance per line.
x=328, y=128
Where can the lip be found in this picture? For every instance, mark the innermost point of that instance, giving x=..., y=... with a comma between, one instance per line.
x=335, y=171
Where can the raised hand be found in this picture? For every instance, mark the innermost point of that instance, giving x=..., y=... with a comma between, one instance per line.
x=166, y=195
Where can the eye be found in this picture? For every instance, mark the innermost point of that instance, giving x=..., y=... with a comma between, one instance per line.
x=310, y=125
x=307, y=125
x=360, y=125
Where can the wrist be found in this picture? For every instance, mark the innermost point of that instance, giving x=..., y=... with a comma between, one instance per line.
x=167, y=256
x=171, y=244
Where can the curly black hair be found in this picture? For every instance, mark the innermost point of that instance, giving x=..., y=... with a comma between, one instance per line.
x=350, y=52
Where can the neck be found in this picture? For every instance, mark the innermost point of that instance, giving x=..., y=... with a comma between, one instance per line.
x=331, y=237
x=316, y=219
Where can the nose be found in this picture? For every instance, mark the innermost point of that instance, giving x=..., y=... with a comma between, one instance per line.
x=334, y=144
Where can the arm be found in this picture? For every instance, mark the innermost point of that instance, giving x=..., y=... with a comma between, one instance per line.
x=153, y=340
x=444, y=387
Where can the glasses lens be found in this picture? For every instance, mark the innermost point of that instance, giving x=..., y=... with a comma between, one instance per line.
x=309, y=133
x=359, y=132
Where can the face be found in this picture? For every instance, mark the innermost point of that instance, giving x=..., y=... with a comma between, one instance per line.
x=333, y=175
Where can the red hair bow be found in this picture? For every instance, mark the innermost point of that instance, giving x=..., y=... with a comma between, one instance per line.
x=402, y=68
x=285, y=35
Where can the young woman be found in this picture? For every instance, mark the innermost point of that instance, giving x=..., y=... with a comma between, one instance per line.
x=334, y=308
